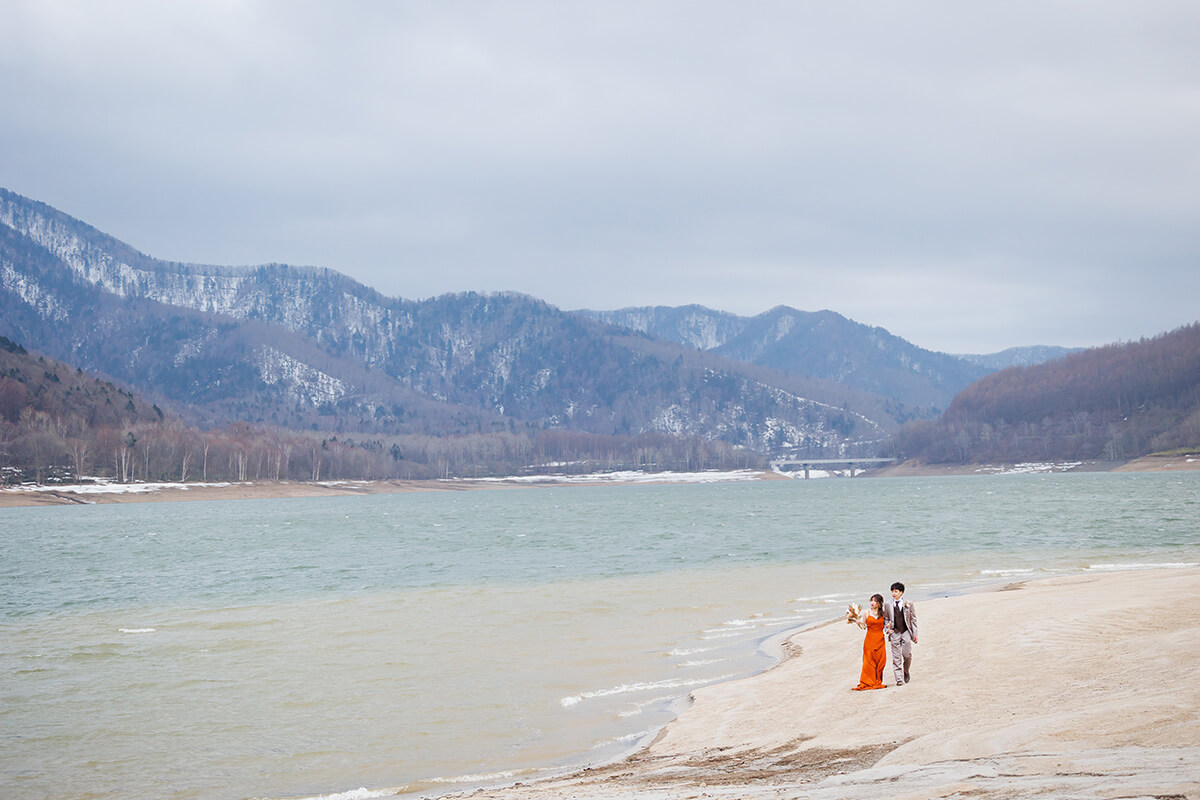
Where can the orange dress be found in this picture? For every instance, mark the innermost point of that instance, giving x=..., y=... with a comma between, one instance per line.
x=874, y=656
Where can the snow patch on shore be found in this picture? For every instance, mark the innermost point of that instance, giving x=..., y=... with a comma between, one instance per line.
x=1031, y=468
x=105, y=487
x=629, y=476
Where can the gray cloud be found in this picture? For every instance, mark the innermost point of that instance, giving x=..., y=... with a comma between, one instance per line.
x=969, y=176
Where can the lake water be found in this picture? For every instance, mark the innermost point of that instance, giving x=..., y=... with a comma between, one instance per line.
x=421, y=642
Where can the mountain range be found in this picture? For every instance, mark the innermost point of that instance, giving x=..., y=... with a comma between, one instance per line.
x=821, y=344
x=309, y=348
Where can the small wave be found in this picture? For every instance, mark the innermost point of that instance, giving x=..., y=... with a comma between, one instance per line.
x=647, y=686
x=824, y=598
x=361, y=793
x=799, y=616
x=638, y=708
x=1006, y=572
x=1136, y=565
x=722, y=634
x=702, y=662
x=734, y=627
x=136, y=630
x=487, y=777
x=679, y=651
x=739, y=623
x=628, y=738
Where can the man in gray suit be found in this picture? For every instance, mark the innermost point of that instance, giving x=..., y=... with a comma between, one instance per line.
x=900, y=623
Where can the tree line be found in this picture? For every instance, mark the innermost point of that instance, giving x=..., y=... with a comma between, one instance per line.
x=41, y=449
x=58, y=424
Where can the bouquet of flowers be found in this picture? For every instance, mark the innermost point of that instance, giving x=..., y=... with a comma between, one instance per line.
x=853, y=613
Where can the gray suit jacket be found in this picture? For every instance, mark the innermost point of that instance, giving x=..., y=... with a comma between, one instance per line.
x=910, y=615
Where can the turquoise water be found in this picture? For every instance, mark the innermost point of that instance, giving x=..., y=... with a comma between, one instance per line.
x=414, y=642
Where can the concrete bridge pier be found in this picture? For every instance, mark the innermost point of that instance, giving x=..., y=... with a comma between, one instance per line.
x=854, y=465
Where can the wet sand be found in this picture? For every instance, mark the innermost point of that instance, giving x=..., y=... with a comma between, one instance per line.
x=1073, y=687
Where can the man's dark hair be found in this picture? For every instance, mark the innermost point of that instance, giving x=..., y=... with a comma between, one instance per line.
x=898, y=585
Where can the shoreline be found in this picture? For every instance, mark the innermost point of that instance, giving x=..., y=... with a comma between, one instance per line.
x=86, y=494
x=1069, y=686
x=780, y=646
x=1150, y=463
x=27, y=496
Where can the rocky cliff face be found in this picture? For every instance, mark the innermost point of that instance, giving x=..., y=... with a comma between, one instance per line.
x=693, y=325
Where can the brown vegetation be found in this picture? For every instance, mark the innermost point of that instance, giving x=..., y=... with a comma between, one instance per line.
x=58, y=424
x=1109, y=403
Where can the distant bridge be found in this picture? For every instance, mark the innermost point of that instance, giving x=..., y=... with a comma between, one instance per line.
x=808, y=463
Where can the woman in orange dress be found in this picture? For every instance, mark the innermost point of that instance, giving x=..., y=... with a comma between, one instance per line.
x=874, y=647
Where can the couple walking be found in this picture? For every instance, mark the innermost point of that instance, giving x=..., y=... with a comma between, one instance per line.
x=888, y=624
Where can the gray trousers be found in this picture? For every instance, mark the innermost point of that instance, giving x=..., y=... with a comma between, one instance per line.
x=900, y=645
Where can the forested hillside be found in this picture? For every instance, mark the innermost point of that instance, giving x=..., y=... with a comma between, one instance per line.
x=59, y=424
x=54, y=419
x=1109, y=403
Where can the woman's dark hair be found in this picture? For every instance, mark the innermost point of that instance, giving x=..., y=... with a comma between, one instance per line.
x=878, y=598
x=898, y=585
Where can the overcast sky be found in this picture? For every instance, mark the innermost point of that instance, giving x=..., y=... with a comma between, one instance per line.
x=970, y=176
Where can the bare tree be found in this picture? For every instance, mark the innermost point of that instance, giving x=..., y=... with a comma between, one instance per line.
x=125, y=457
x=77, y=448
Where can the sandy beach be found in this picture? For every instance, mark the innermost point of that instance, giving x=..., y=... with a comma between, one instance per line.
x=1071, y=687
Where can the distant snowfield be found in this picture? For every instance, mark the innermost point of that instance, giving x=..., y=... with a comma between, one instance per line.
x=630, y=476
x=105, y=487
x=1031, y=468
